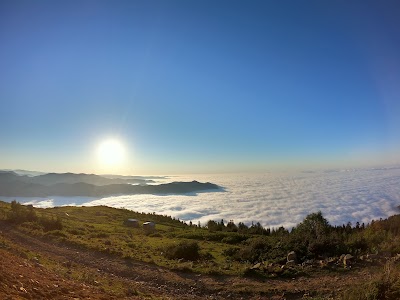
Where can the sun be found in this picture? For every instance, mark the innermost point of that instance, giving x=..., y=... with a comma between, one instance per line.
x=111, y=153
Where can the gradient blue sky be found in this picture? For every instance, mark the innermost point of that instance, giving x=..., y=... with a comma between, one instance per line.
x=199, y=86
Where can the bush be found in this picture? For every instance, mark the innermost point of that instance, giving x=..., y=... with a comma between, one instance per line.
x=183, y=250
x=255, y=250
x=234, y=239
x=50, y=224
x=315, y=237
x=20, y=213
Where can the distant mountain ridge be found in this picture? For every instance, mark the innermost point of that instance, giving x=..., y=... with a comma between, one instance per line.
x=90, y=185
x=54, y=178
x=23, y=172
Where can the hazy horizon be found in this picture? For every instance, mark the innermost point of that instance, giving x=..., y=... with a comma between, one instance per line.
x=272, y=199
x=280, y=170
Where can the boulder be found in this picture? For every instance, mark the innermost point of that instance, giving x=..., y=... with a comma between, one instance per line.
x=292, y=256
x=291, y=263
x=256, y=266
x=348, y=259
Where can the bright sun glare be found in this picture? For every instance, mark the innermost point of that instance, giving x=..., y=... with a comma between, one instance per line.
x=111, y=153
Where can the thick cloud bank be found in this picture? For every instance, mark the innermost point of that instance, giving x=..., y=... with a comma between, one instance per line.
x=271, y=199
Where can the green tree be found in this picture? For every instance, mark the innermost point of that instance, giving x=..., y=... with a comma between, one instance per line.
x=313, y=237
x=314, y=225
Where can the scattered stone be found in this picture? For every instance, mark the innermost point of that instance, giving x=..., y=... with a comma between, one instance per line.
x=331, y=259
x=373, y=257
x=308, y=262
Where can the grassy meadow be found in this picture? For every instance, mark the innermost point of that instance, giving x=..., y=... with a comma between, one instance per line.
x=220, y=248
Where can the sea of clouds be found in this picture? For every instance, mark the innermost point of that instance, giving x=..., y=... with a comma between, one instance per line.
x=273, y=199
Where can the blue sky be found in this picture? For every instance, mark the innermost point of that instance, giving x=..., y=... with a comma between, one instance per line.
x=199, y=86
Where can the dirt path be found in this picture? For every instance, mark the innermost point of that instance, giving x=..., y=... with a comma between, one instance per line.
x=153, y=280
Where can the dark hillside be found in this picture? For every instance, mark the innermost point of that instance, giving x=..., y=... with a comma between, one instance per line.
x=13, y=185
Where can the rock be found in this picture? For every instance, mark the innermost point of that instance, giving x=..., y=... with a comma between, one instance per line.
x=292, y=256
x=308, y=262
x=291, y=263
x=256, y=266
x=348, y=259
x=322, y=263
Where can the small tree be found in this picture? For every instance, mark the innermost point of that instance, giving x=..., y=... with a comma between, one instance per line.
x=314, y=225
x=312, y=236
x=242, y=227
x=231, y=226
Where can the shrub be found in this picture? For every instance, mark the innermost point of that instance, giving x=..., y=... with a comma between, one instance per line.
x=230, y=252
x=234, y=239
x=20, y=213
x=255, y=251
x=183, y=250
x=314, y=237
x=50, y=224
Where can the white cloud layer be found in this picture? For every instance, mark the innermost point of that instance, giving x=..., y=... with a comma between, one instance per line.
x=272, y=199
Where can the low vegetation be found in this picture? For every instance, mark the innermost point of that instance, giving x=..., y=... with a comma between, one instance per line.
x=19, y=214
x=183, y=250
x=226, y=248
